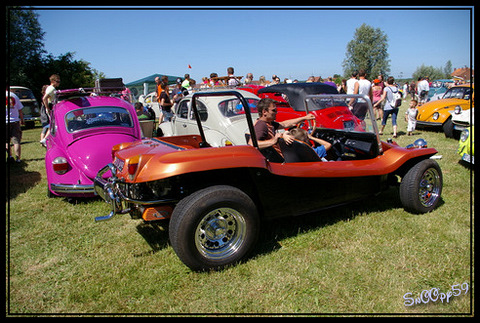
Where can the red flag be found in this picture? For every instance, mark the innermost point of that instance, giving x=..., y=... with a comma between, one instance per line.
x=189, y=66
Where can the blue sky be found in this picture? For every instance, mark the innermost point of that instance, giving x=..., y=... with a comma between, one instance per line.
x=133, y=43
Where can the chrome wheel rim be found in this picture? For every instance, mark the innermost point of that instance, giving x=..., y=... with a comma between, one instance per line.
x=429, y=187
x=220, y=233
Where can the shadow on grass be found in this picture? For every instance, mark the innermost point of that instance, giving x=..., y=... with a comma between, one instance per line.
x=18, y=180
x=275, y=230
x=155, y=234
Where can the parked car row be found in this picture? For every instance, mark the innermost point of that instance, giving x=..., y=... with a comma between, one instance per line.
x=437, y=114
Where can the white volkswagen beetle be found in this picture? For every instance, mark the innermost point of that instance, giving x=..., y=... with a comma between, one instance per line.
x=222, y=118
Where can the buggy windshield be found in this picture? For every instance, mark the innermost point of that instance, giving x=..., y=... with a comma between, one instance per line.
x=97, y=117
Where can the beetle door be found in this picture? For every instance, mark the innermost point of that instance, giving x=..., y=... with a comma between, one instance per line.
x=181, y=120
x=185, y=123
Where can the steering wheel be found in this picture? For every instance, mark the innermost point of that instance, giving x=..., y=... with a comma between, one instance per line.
x=337, y=148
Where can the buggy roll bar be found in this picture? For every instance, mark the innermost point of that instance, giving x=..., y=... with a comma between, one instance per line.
x=223, y=93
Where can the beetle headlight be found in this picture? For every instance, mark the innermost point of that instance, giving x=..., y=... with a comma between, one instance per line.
x=458, y=109
x=436, y=115
x=464, y=135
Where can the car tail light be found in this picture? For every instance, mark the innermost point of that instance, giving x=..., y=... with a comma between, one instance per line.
x=60, y=165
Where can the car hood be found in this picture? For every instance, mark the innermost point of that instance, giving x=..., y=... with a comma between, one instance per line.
x=431, y=107
x=89, y=154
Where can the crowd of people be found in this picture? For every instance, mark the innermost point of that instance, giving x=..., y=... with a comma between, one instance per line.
x=382, y=93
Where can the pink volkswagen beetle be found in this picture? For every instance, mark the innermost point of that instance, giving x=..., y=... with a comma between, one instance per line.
x=85, y=125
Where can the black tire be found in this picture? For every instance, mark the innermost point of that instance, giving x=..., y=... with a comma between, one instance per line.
x=448, y=128
x=214, y=227
x=421, y=187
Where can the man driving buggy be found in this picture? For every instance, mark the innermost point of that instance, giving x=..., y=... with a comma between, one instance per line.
x=266, y=127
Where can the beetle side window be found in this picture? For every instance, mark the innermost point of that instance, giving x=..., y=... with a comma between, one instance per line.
x=233, y=107
x=182, y=109
x=202, y=111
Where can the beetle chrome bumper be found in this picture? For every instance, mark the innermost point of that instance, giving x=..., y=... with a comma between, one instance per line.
x=429, y=123
x=61, y=189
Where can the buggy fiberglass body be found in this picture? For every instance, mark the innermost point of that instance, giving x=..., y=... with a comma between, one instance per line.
x=215, y=197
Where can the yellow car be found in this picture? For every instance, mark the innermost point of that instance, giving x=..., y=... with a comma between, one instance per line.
x=437, y=114
x=466, y=145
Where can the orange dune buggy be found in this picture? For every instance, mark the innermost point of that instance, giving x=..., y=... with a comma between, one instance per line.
x=215, y=198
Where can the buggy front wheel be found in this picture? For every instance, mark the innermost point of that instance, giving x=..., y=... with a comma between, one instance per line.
x=214, y=227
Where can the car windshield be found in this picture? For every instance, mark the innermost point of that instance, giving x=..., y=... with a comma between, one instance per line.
x=97, y=117
x=24, y=94
x=233, y=107
x=315, y=104
x=458, y=93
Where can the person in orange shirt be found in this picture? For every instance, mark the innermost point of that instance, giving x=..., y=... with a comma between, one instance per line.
x=158, y=88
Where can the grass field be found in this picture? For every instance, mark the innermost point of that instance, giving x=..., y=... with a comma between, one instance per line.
x=358, y=259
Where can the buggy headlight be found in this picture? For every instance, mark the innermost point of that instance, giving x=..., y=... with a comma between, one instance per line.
x=436, y=115
x=458, y=109
x=464, y=135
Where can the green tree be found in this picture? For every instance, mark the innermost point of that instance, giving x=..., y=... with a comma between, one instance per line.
x=24, y=44
x=448, y=70
x=368, y=51
x=431, y=72
x=27, y=62
x=73, y=73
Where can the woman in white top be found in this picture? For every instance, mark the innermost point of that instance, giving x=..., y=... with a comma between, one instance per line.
x=389, y=108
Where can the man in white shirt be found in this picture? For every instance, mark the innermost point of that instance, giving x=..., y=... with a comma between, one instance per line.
x=351, y=82
x=14, y=119
x=232, y=81
x=48, y=100
x=362, y=87
x=422, y=90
